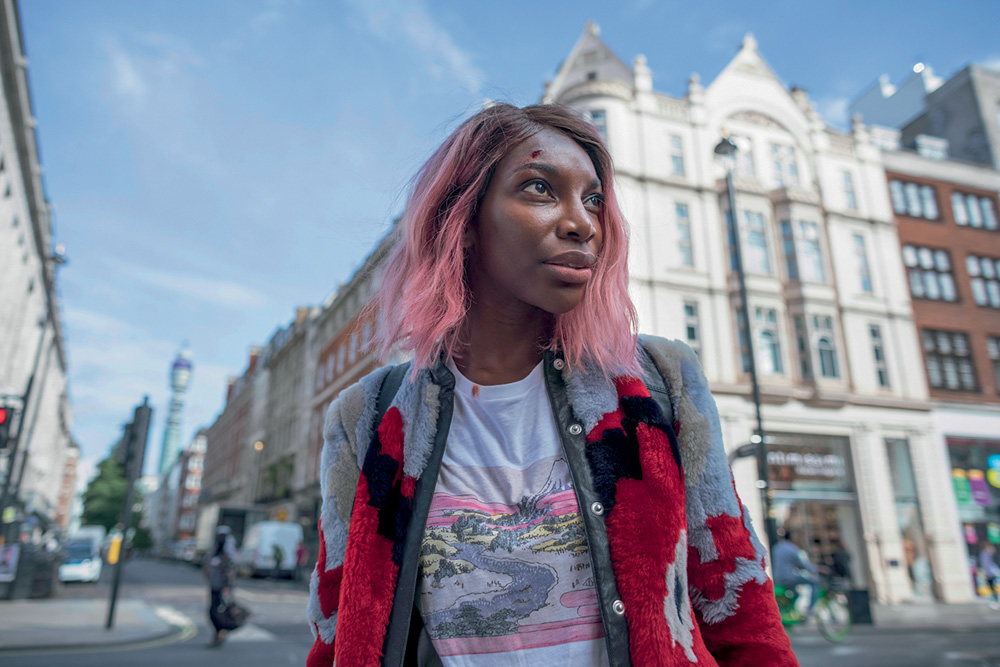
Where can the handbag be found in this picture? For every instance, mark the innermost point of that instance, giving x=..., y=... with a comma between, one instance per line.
x=232, y=614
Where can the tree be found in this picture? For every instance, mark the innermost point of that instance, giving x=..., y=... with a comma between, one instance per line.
x=105, y=495
x=104, y=500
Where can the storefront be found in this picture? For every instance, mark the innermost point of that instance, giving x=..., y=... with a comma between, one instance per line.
x=975, y=474
x=814, y=498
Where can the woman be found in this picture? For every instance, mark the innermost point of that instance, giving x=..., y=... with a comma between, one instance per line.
x=220, y=570
x=535, y=487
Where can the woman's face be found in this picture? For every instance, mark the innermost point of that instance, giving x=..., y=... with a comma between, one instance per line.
x=537, y=235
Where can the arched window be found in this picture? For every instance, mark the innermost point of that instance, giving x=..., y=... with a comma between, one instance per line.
x=827, y=358
x=770, y=353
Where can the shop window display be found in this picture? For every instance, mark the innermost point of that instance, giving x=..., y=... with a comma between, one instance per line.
x=975, y=469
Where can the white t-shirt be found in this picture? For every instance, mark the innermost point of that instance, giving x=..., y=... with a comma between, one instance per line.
x=505, y=571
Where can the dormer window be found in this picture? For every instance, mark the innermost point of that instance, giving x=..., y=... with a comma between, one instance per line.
x=591, y=76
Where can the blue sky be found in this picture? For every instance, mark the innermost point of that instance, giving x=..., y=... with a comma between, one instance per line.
x=213, y=165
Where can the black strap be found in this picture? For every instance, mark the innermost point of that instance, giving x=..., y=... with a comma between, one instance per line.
x=657, y=384
x=390, y=386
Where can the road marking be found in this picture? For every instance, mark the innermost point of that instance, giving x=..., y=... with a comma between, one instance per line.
x=251, y=633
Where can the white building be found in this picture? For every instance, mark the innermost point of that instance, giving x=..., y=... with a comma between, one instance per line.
x=842, y=383
x=32, y=349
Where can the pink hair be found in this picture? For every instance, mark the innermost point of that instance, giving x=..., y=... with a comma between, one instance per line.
x=424, y=296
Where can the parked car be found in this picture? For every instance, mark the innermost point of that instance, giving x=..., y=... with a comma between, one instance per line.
x=256, y=558
x=81, y=562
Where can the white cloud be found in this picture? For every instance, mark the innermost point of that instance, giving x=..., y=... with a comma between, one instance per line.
x=992, y=62
x=410, y=21
x=834, y=110
x=215, y=291
x=126, y=79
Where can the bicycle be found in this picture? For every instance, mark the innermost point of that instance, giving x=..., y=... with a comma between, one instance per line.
x=832, y=612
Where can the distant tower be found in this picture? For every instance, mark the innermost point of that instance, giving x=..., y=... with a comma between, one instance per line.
x=180, y=376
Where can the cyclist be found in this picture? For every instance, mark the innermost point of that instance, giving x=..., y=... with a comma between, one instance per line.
x=792, y=568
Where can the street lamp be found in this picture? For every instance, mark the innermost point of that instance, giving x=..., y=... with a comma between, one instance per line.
x=728, y=150
x=258, y=448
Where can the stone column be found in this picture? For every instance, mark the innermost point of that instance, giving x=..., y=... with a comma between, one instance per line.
x=939, y=513
x=879, y=521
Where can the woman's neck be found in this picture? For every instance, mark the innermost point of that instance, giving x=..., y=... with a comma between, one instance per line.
x=502, y=347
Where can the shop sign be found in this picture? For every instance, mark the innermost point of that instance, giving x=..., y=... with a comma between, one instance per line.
x=993, y=474
x=960, y=482
x=993, y=532
x=980, y=492
x=805, y=462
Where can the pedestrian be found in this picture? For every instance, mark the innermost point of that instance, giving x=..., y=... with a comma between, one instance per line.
x=538, y=485
x=220, y=571
x=988, y=566
x=792, y=568
x=301, y=559
x=279, y=556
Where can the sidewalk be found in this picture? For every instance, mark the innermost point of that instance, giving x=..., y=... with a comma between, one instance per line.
x=74, y=624
x=975, y=615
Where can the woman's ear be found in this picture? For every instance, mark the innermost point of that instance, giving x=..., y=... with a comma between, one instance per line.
x=469, y=236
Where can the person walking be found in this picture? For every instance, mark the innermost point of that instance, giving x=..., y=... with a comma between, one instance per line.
x=301, y=559
x=539, y=485
x=988, y=566
x=220, y=571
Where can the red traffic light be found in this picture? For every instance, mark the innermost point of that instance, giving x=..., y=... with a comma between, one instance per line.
x=3, y=415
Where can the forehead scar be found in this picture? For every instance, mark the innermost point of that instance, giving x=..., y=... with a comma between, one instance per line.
x=535, y=154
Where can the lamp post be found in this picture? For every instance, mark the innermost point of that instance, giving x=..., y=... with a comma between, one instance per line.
x=727, y=149
x=258, y=448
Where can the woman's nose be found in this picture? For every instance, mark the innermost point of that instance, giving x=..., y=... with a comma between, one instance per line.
x=577, y=223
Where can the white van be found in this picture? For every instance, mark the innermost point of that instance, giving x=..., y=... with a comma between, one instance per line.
x=256, y=557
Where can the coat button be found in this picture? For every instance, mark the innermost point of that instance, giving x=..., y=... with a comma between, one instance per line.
x=618, y=606
x=559, y=364
x=597, y=508
x=575, y=429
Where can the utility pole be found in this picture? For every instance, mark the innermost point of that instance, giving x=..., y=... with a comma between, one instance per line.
x=728, y=149
x=131, y=453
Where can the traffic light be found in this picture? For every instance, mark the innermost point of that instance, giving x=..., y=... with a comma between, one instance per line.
x=6, y=417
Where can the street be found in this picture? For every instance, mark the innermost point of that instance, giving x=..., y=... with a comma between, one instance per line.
x=278, y=635
x=275, y=635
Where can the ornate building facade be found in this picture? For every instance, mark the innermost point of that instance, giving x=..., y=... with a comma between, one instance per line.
x=845, y=401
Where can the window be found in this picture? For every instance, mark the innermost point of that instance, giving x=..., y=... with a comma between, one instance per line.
x=676, y=155
x=692, y=327
x=973, y=211
x=788, y=243
x=770, y=345
x=878, y=350
x=803, y=255
x=993, y=350
x=929, y=273
x=825, y=346
x=898, y=198
x=949, y=361
x=599, y=119
x=917, y=201
x=786, y=170
x=850, y=196
x=757, y=259
x=802, y=347
x=684, y=246
x=864, y=272
x=744, y=156
x=984, y=277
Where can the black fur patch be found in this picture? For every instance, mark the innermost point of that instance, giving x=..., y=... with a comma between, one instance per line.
x=639, y=409
x=614, y=456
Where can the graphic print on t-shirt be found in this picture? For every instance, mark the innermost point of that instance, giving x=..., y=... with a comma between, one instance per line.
x=502, y=577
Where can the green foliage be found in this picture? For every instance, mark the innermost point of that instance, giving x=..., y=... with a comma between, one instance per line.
x=104, y=498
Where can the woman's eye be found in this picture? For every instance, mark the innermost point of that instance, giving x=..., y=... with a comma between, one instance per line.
x=537, y=188
x=594, y=200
